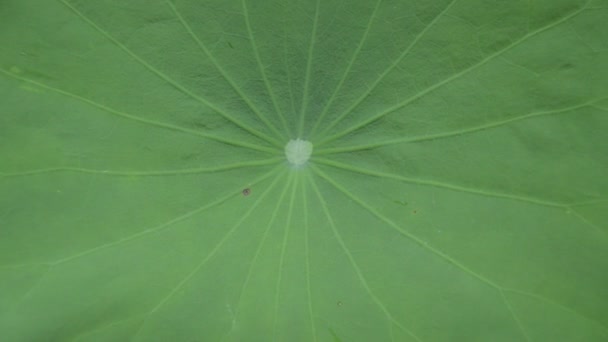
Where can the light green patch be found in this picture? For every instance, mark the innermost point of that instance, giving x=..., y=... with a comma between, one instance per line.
x=403, y=203
x=31, y=88
x=334, y=335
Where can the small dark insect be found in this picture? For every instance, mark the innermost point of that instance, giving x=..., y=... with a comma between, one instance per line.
x=246, y=192
x=339, y=303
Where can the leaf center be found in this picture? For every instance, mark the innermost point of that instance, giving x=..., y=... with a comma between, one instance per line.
x=298, y=151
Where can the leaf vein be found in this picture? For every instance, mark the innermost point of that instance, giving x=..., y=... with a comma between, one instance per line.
x=172, y=82
x=348, y=68
x=139, y=119
x=157, y=228
x=352, y=260
x=223, y=72
x=388, y=70
x=459, y=132
x=449, y=79
x=404, y=232
x=437, y=184
x=239, y=165
x=213, y=251
x=308, y=70
x=258, y=59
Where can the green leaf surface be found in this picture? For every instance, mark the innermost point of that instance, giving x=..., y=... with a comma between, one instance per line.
x=456, y=190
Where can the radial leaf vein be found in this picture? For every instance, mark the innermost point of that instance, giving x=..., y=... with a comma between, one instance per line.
x=240, y=165
x=347, y=70
x=594, y=201
x=258, y=60
x=258, y=251
x=86, y=335
x=360, y=276
x=514, y=315
x=459, y=132
x=587, y=222
x=34, y=286
x=172, y=82
x=215, y=249
x=223, y=72
x=390, y=68
x=308, y=71
x=447, y=80
x=559, y=305
x=307, y=252
x=142, y=120
x=437, y=184
x=163, y=226
x=437, y=252
x=402, y=231
x=292, y=184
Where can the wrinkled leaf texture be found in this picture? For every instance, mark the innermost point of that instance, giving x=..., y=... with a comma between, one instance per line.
x=457, y=189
